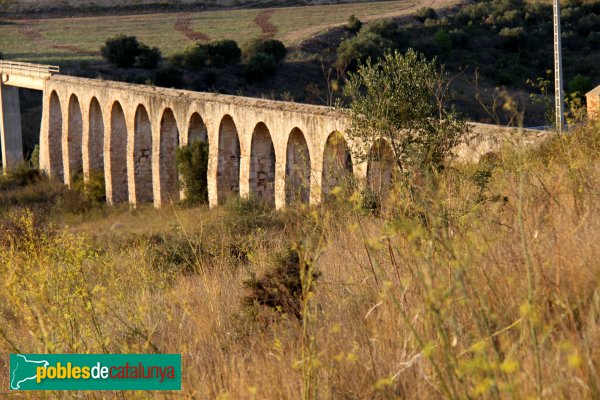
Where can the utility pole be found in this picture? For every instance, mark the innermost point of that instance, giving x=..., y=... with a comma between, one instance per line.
x=559, y=107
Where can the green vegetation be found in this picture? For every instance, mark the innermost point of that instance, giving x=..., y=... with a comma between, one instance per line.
x=510, y=40
x=169, y=77
x=271, y=47
x=398, y=100
x=192, y=165
x=259, y=67
x=371, y=42
x=125, y=51
x=354, y=24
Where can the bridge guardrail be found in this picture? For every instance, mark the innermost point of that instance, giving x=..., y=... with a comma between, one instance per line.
x=28, y=69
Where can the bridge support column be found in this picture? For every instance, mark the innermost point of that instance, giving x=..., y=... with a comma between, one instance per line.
x=244, y=175
x=280, y=200
x=10, y=127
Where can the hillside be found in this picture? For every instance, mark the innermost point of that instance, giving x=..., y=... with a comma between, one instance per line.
x=58, y=40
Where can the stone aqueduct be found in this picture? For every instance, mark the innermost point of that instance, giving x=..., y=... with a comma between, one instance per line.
x=277, y=151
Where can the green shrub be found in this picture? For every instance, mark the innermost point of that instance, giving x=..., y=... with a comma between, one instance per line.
x=442, y=40
x=594, y=40
x=259, y=67
x=148, y=57
x=192, y=164
x=35, y=157
x=121, y=50
x=426, y=13
x=281, y=287
x=272, y=47
x=386, y=28
x=579, y=85
x=169, y=77
x=365, y=45
x=354, y=24
x=195, y=56
x=177, y=60
x=224, y=52
x=512, y=38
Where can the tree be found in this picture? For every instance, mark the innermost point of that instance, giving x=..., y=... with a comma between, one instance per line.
x=365, y=45
x=148, y=58
x=272, y=47
x=121, y=50
x=259, y=67
x=401, y=100
x=224, y=52
x=195, y=56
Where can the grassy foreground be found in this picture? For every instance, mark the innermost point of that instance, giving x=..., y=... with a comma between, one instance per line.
x=497, y=295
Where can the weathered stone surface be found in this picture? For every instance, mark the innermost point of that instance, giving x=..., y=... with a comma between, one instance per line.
x=280, y=152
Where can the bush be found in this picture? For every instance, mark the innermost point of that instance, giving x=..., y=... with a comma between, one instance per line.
x=224, y=52
x=272, y=47
x=512, y=38
x=192, y=164
x=364, y=46
x=169, y=77
x=259, y=67
x=195, y=56
x=442, y=40
x=386, y=28
x=177, y=60
x=280, y=288
x=426, y=13
x=354, y=24
x=121, y=50
x=1, y=56
x=579, y=85
x=148, y=58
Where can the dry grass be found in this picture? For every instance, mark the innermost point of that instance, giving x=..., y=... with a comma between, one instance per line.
x=475, y=289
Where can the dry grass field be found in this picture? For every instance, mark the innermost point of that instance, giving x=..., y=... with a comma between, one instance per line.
x=55, y=40
x=487, y=286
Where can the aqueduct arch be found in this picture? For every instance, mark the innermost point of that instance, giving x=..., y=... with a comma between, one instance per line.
x=55, y=154
x=197, y=129
x=228, y=162
x=93, y=137
x=140, y=162
x=381, y=168
x=337, y=163
x=297, y=168
x=72, y=143
x=262, y=165
x=167, y=163
x=117, y=188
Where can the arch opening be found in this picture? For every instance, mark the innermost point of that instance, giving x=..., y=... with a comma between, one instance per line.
x=55, y=161
x=197, y=129
x=74, y=140
x=228, y=164
x=297, y=169
x=118, y=155
x=169, y=141
x=142, y=157
x=262, y=165
x=337, y=164
x=380, y=168
x=96, y=138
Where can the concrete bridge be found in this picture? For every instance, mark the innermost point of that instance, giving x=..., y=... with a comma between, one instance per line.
x=278, y=151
